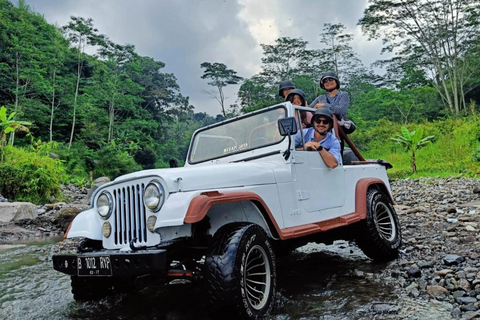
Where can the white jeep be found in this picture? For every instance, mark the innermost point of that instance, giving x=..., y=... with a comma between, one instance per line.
x=244, y=194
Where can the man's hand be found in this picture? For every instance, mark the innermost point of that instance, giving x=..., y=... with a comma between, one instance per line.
x=319, y=105
x=312, y=146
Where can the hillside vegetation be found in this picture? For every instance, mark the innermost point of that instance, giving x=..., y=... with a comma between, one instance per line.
x=70, y=116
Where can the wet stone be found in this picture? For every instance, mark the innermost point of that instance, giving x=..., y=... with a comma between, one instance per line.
x=471, y=315
x=456, y=313
x=466, y=300
x=425, y=264
x=458, y=293
x=452, y=259
x=414, y=272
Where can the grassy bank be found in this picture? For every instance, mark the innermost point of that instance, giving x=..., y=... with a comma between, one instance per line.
x=455, y=150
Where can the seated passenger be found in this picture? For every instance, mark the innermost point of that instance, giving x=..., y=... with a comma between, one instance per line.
x=297, y=98
x=284, y=88
x=320, y=138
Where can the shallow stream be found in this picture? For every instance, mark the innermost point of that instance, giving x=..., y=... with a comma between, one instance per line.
x=315, y=282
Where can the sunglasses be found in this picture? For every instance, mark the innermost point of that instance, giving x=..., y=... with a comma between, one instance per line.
x=324, y=121
x=327, y=80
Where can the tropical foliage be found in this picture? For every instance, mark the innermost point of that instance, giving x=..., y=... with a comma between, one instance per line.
x=101, y=108
x=412, y=141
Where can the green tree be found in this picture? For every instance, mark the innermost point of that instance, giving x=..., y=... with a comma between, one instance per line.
x=438, y=33
x=281, y=59
x=80, y=32
x=220, y=77
x=114, y=86
x=24, y=37
x=338, y=54
x=412, y=141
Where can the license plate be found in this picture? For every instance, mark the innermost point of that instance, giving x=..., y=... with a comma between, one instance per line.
x=94, y=266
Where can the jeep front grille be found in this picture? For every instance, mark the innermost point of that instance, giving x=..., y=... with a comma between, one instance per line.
x=130, y=217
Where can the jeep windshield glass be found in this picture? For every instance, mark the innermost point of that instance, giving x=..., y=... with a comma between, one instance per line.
x=239, y=135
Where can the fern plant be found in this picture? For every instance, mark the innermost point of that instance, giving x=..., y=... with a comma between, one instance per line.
x=412, y=141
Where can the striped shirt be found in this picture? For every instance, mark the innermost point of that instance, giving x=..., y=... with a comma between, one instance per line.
x=338, y=104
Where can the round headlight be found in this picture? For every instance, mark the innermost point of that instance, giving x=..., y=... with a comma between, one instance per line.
x=104, y=205
x=153, y=196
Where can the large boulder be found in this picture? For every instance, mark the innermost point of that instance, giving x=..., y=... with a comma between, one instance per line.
x=96, y=183
x=13, y=211
x=63, y=218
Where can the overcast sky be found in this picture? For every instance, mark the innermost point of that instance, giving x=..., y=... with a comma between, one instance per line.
x=185, y=33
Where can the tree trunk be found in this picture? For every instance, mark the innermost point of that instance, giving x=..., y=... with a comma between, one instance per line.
x=53, y=105
x=17, y=90
x=79, y=74
x=414, y=165
x=111, y=116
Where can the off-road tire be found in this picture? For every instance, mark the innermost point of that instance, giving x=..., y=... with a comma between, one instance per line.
x=240, y=272
x=89, y=288
x=379, y=235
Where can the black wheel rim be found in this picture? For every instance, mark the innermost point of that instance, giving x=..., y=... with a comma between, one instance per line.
x=257, y=277
x=385, y=222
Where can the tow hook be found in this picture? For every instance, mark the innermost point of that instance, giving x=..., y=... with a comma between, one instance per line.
x=132, y=245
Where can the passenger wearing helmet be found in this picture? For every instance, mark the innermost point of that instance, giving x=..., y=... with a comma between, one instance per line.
x=320, y=138
x=297, y=98
x=284, y=88
x=334, y=99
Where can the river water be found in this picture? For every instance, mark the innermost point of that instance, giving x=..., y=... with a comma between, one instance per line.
x=315, y=282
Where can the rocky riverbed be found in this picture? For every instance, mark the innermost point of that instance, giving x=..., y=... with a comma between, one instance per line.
x=438, y=266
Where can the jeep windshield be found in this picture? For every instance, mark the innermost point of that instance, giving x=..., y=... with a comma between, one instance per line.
x=252, y=131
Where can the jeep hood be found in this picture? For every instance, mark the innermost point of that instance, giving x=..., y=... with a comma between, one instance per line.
x=211, y=177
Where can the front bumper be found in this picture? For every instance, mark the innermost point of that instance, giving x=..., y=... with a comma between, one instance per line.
x=120, y=264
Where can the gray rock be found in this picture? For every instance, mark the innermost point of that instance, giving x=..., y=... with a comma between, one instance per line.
x=466, y=300
x=471, y=315
x=458, y=294
x=13, y=211
x=456, y=313
x=452, y=259
x=96, y=183
x=414, y=272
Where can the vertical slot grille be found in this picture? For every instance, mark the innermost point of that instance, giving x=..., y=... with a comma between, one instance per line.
x=130, y=217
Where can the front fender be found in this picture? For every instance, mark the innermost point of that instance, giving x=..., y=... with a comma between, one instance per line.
x=86, y=224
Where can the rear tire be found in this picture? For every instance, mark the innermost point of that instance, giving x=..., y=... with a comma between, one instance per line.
x=240, y=271
x=379, y=235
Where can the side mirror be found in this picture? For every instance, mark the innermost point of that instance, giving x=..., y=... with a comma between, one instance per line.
x=287, y=126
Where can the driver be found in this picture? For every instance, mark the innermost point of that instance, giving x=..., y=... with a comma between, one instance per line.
x=319, y=138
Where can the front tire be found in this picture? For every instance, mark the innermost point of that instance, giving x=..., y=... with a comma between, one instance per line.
x=240, y=271
x=89, y=288
x=379, y=235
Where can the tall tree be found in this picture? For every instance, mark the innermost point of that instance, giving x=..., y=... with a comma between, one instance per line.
x=220, y=77
x=21, y=60
x=114, y=84
x=439, y=32
x=281, y=59
x=81, y=33
x=338, y=54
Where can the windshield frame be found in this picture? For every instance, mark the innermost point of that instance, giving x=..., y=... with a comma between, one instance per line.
x=198, y=134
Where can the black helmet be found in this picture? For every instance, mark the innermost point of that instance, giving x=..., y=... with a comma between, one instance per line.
x=285, y=84
x=329, y=74
x=323, y=112
x=292, y=93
